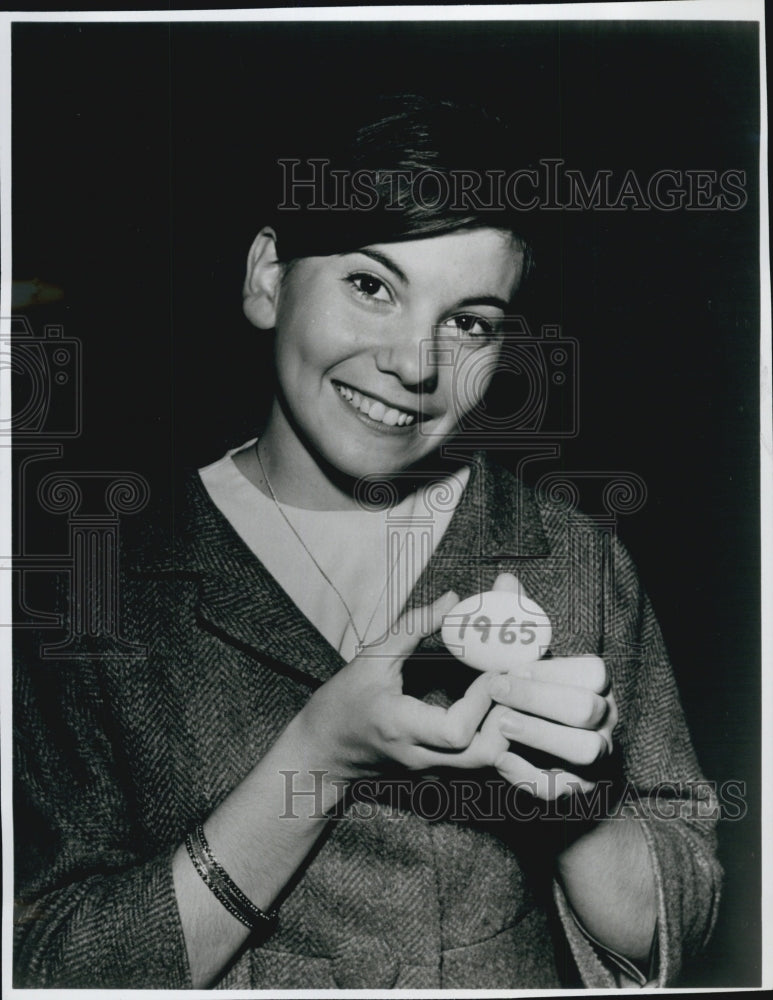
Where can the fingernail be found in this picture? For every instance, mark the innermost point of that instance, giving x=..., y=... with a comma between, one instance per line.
x=511, y=726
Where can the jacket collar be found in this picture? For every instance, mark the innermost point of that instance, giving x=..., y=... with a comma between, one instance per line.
x=496, y=519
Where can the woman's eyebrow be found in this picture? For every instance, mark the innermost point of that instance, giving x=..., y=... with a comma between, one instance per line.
x=484, y=300
x=386, y=261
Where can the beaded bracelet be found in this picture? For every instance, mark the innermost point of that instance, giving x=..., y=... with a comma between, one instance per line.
x=219, y=882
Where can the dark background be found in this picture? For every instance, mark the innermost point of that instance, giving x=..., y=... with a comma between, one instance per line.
x=139, y=169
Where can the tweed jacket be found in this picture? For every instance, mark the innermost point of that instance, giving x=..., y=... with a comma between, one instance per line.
x=117, y=756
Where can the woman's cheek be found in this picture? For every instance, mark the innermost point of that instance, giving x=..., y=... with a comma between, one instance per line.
x=472, y=377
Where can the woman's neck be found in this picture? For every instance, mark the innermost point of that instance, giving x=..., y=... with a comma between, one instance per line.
x=286, y=483
x=282, y=469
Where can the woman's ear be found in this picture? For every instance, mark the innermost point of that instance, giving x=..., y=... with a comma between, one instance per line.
x=262, y=281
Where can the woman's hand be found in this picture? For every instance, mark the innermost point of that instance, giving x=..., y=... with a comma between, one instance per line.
x=561, y=706
x=360, y=721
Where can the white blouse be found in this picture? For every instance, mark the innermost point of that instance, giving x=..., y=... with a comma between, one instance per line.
x=373, y=558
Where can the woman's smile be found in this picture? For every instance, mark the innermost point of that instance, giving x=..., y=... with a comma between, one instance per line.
x=374, y=412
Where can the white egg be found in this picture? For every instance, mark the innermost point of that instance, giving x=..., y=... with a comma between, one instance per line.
x=498, y=630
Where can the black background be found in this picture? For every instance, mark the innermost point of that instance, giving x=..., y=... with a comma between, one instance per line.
x=138, y=153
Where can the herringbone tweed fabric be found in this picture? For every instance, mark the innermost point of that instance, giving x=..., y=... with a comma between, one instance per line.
x=116, y=758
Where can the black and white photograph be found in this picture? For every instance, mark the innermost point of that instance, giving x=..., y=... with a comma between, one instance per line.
x=385, y=523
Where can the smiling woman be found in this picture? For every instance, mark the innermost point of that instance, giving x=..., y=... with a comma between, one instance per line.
x=270, y=745
x=372, y=338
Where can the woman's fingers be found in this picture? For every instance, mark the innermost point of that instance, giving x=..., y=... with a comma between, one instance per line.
x=556, y=706
x=610, y=721
x=486, y=746
x=413, y=626
x=564, y=703
x=449, y=728
x=542, y=783
x=577, y=671
x=576, y=746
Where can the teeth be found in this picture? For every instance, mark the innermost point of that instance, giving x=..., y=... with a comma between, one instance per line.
x=375, y=409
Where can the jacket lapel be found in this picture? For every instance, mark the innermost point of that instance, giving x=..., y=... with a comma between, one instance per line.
x=238, y=599
x=496, y=521
x=244, y=605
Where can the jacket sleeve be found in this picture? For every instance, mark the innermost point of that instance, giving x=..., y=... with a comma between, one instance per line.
x=94, y=898
x=663, y=789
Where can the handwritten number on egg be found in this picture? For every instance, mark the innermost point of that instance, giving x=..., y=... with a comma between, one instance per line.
x=506, y=635
x=482, y=624
x=497, y=630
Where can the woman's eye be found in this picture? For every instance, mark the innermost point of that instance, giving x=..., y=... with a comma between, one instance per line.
x=475, y=326
x=369, y=287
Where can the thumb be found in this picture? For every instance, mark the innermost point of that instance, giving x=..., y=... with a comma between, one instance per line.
x=415, y=625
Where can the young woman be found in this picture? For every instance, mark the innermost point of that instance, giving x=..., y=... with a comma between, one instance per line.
x=273, y=748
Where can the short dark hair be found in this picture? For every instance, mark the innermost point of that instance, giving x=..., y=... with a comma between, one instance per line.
x=400, y=147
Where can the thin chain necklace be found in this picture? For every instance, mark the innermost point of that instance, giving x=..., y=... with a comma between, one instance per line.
x=310, y=554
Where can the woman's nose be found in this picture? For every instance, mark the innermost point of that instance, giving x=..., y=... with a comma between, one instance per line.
x=410, y=355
